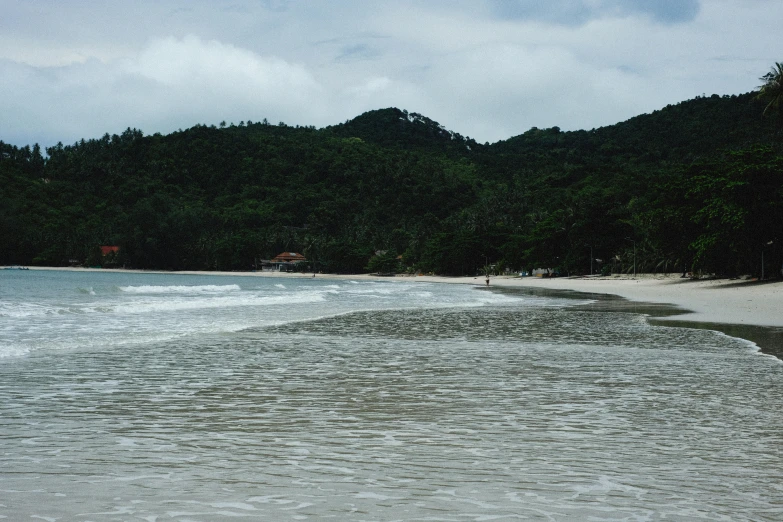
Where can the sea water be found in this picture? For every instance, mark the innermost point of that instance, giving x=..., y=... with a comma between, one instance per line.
x=157, y=397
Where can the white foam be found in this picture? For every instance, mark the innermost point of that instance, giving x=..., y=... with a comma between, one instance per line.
x=382, y=288
x=13, y=351
x=180, y=289
x=490, y=298
x=28, y=310
x=170, y=305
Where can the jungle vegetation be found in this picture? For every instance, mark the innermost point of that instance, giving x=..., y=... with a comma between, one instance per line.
x=695, y=186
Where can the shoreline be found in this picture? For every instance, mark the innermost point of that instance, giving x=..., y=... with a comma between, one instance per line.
x=745, y=309
x=742, y=302
x=748, y=309
x=729, y=301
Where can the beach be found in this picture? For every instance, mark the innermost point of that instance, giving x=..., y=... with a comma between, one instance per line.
x=729, y=301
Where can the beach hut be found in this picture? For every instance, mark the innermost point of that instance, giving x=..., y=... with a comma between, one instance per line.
x=285, y=261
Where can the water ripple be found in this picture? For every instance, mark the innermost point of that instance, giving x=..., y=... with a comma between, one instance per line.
x=406, y=415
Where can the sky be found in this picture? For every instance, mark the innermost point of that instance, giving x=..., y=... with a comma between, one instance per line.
x=487, y=69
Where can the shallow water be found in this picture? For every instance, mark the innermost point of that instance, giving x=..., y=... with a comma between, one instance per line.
x=187, y=398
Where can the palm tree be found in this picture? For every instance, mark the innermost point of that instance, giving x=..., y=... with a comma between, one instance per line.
x=771, y=91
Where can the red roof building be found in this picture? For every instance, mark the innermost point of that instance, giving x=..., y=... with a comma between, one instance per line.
x=106, y=250
x=288, y=257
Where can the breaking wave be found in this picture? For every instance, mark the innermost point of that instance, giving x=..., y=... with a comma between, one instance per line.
x=180, y=289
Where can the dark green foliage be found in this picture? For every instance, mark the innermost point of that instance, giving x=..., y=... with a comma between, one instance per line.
x=385, y=262
x=353, y=196
x=771, y=92
x=738, y=202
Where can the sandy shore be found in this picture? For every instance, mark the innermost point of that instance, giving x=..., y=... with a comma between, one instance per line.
x=747, y=309
x=710, y=301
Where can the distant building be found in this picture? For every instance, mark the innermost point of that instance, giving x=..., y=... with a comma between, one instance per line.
x=288, y=257
x=106, y=250
x=283, y=262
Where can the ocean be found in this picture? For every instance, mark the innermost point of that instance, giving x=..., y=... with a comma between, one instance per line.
x=157, y=397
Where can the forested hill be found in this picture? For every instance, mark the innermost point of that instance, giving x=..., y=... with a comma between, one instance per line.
x=398, y=128
x=697, y=184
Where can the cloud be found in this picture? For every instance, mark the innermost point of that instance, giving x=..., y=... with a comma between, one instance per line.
x=577, y=12
x=524, y=86
x=359, y=51
x=489, y=70
x=667, y=11
x=371, y=87
x=206, y=66
x=171, y=83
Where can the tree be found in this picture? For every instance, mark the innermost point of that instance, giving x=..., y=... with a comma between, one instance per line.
x=772, y=91
x=384, y=262
x=738, y=206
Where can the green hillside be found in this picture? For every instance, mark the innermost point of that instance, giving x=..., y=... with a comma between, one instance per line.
x=697, y=184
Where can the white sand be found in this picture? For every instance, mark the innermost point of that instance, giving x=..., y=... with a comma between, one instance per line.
x=711, y=301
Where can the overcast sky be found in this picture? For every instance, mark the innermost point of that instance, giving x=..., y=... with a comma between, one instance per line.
x=488, y=69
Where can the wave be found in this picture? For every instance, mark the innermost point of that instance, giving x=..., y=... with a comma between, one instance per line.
x=398, y=289
x=27, y=310
x=180, y=289
x=169, y=305
x=13, y=351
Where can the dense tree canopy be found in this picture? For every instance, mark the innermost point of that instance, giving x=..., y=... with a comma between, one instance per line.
x=696, y=185
x=771, y=91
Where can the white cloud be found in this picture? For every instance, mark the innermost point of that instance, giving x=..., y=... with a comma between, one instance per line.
x=190, y=61
x=171, y=83
x=371, y=87
x=209, y=80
